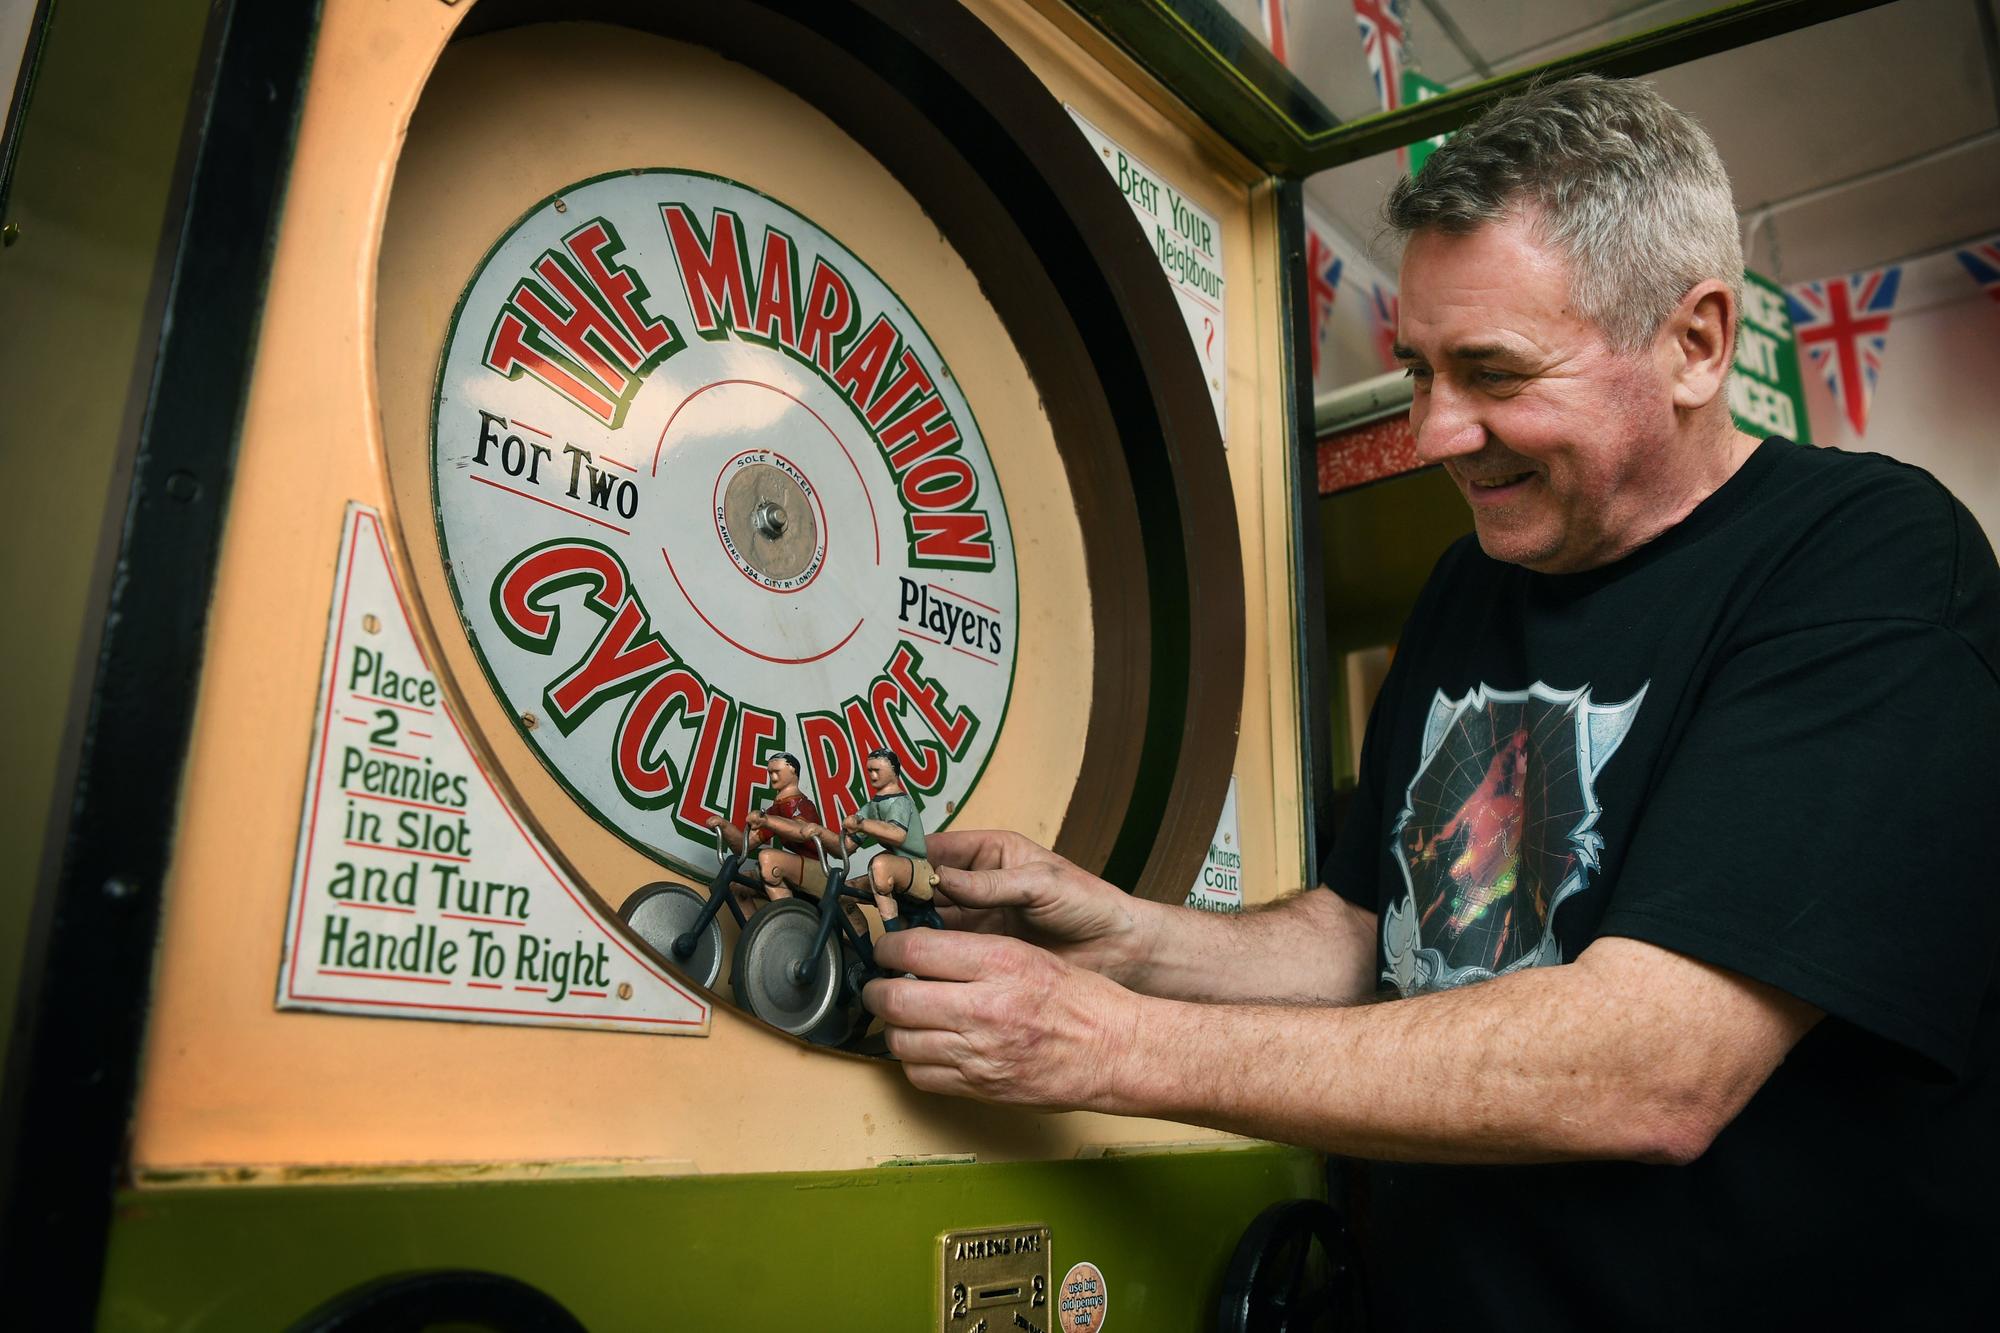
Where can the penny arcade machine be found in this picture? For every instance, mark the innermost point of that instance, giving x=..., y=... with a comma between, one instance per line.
x=520, y=423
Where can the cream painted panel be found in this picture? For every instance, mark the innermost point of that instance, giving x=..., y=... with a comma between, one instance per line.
x=1135, y=111
x=228, y=1081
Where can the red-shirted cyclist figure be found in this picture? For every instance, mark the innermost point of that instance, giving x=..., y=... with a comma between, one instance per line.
x=782, y=835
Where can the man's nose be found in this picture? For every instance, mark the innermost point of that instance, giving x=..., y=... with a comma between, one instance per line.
x=1446, y=423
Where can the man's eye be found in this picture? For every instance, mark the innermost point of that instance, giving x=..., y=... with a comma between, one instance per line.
x=1496, y=377
x=1421, y=374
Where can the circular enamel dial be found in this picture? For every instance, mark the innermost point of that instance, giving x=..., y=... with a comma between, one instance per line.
x=707, y=492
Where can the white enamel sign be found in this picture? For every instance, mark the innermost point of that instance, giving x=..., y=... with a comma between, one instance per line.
x=1188, y=241
x=1219, y=886
x=417, y=891
x=707, y=492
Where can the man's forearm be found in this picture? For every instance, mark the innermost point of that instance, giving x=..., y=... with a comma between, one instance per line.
x=1313, y=947
x=1581, y=1061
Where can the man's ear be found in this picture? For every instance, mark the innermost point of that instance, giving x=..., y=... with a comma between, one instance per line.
x=1701, y=337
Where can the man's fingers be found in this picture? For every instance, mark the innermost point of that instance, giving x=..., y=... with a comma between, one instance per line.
x=911, y=1003
x=982, y=849
x=942, y=1079
x=962, y=848
x=947, y=955
x=928, y=1046
x=969, y=888
x=1020, y=886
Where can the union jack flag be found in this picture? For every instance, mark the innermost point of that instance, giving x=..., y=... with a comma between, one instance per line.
x=1843, y=325
x=1277, y=29
x=1322, y=285
x=1384, y=24
x=1982, y=261
x=1383, y=308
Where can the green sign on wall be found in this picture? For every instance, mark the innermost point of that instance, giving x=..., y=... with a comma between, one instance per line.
x=1417, y=88
x=1767, y=394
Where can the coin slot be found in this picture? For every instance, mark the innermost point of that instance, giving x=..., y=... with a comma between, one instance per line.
x=996, y=1295
x=993, y=1278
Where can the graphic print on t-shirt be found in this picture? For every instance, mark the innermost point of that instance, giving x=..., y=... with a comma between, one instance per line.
x=1498, y=828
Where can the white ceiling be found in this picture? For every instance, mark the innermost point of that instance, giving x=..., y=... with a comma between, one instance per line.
x=1856, y=142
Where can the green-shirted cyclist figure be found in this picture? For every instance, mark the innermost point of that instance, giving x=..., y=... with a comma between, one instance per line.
x=900, y=866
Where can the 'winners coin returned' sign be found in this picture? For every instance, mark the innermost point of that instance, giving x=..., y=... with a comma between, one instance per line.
x=706, y=492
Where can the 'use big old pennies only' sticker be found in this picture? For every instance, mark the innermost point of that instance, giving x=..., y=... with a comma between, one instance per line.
x=1081, y=1300
x=707, y=492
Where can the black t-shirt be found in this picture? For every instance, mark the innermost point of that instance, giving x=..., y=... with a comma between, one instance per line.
x=1770, y=740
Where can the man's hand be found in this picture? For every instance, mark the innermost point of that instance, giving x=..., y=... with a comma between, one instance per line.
x=1002, y=1020
x=757, y=821
x=1000, y=883
x=1631, y=1052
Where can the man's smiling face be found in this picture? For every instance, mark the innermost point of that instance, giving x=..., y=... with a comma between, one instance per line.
x=1557, y=439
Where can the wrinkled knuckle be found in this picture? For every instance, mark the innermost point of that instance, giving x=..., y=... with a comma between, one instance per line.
x=1009, y=959
x=1000, y=1017
x=913, y=954
x=1016, y=1012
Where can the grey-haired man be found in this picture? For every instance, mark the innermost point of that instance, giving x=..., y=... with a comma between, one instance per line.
x=1668, y=851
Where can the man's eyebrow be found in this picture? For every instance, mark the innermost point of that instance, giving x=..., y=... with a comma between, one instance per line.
x=1481, y=352
x=1461, y=352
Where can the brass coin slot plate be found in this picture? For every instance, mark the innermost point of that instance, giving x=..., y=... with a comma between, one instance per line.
x=994, y=1278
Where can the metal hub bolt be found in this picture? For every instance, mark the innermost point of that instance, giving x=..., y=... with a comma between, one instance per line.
x=769, y=519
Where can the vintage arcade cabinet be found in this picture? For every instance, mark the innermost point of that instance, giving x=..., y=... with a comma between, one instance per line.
x=462, y=443
x=556, y=411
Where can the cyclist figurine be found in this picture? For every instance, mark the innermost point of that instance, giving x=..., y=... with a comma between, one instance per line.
x=900, y=867
x=782, y=834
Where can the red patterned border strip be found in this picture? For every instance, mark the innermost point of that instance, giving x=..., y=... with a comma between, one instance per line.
x=1355, y=457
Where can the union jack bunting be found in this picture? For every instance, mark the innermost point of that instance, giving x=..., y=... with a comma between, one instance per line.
x=1277, y=29
x=1384, y=25
x=1383, y=308
x=1322, y=285
x=1982, y=261
x=1843, y=325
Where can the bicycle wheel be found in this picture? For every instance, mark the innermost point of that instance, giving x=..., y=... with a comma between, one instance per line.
x=778, y=940
x=662, y=913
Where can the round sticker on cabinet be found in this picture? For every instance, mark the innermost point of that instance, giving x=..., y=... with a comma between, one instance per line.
x=707, y=494
x=1081, y=1300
